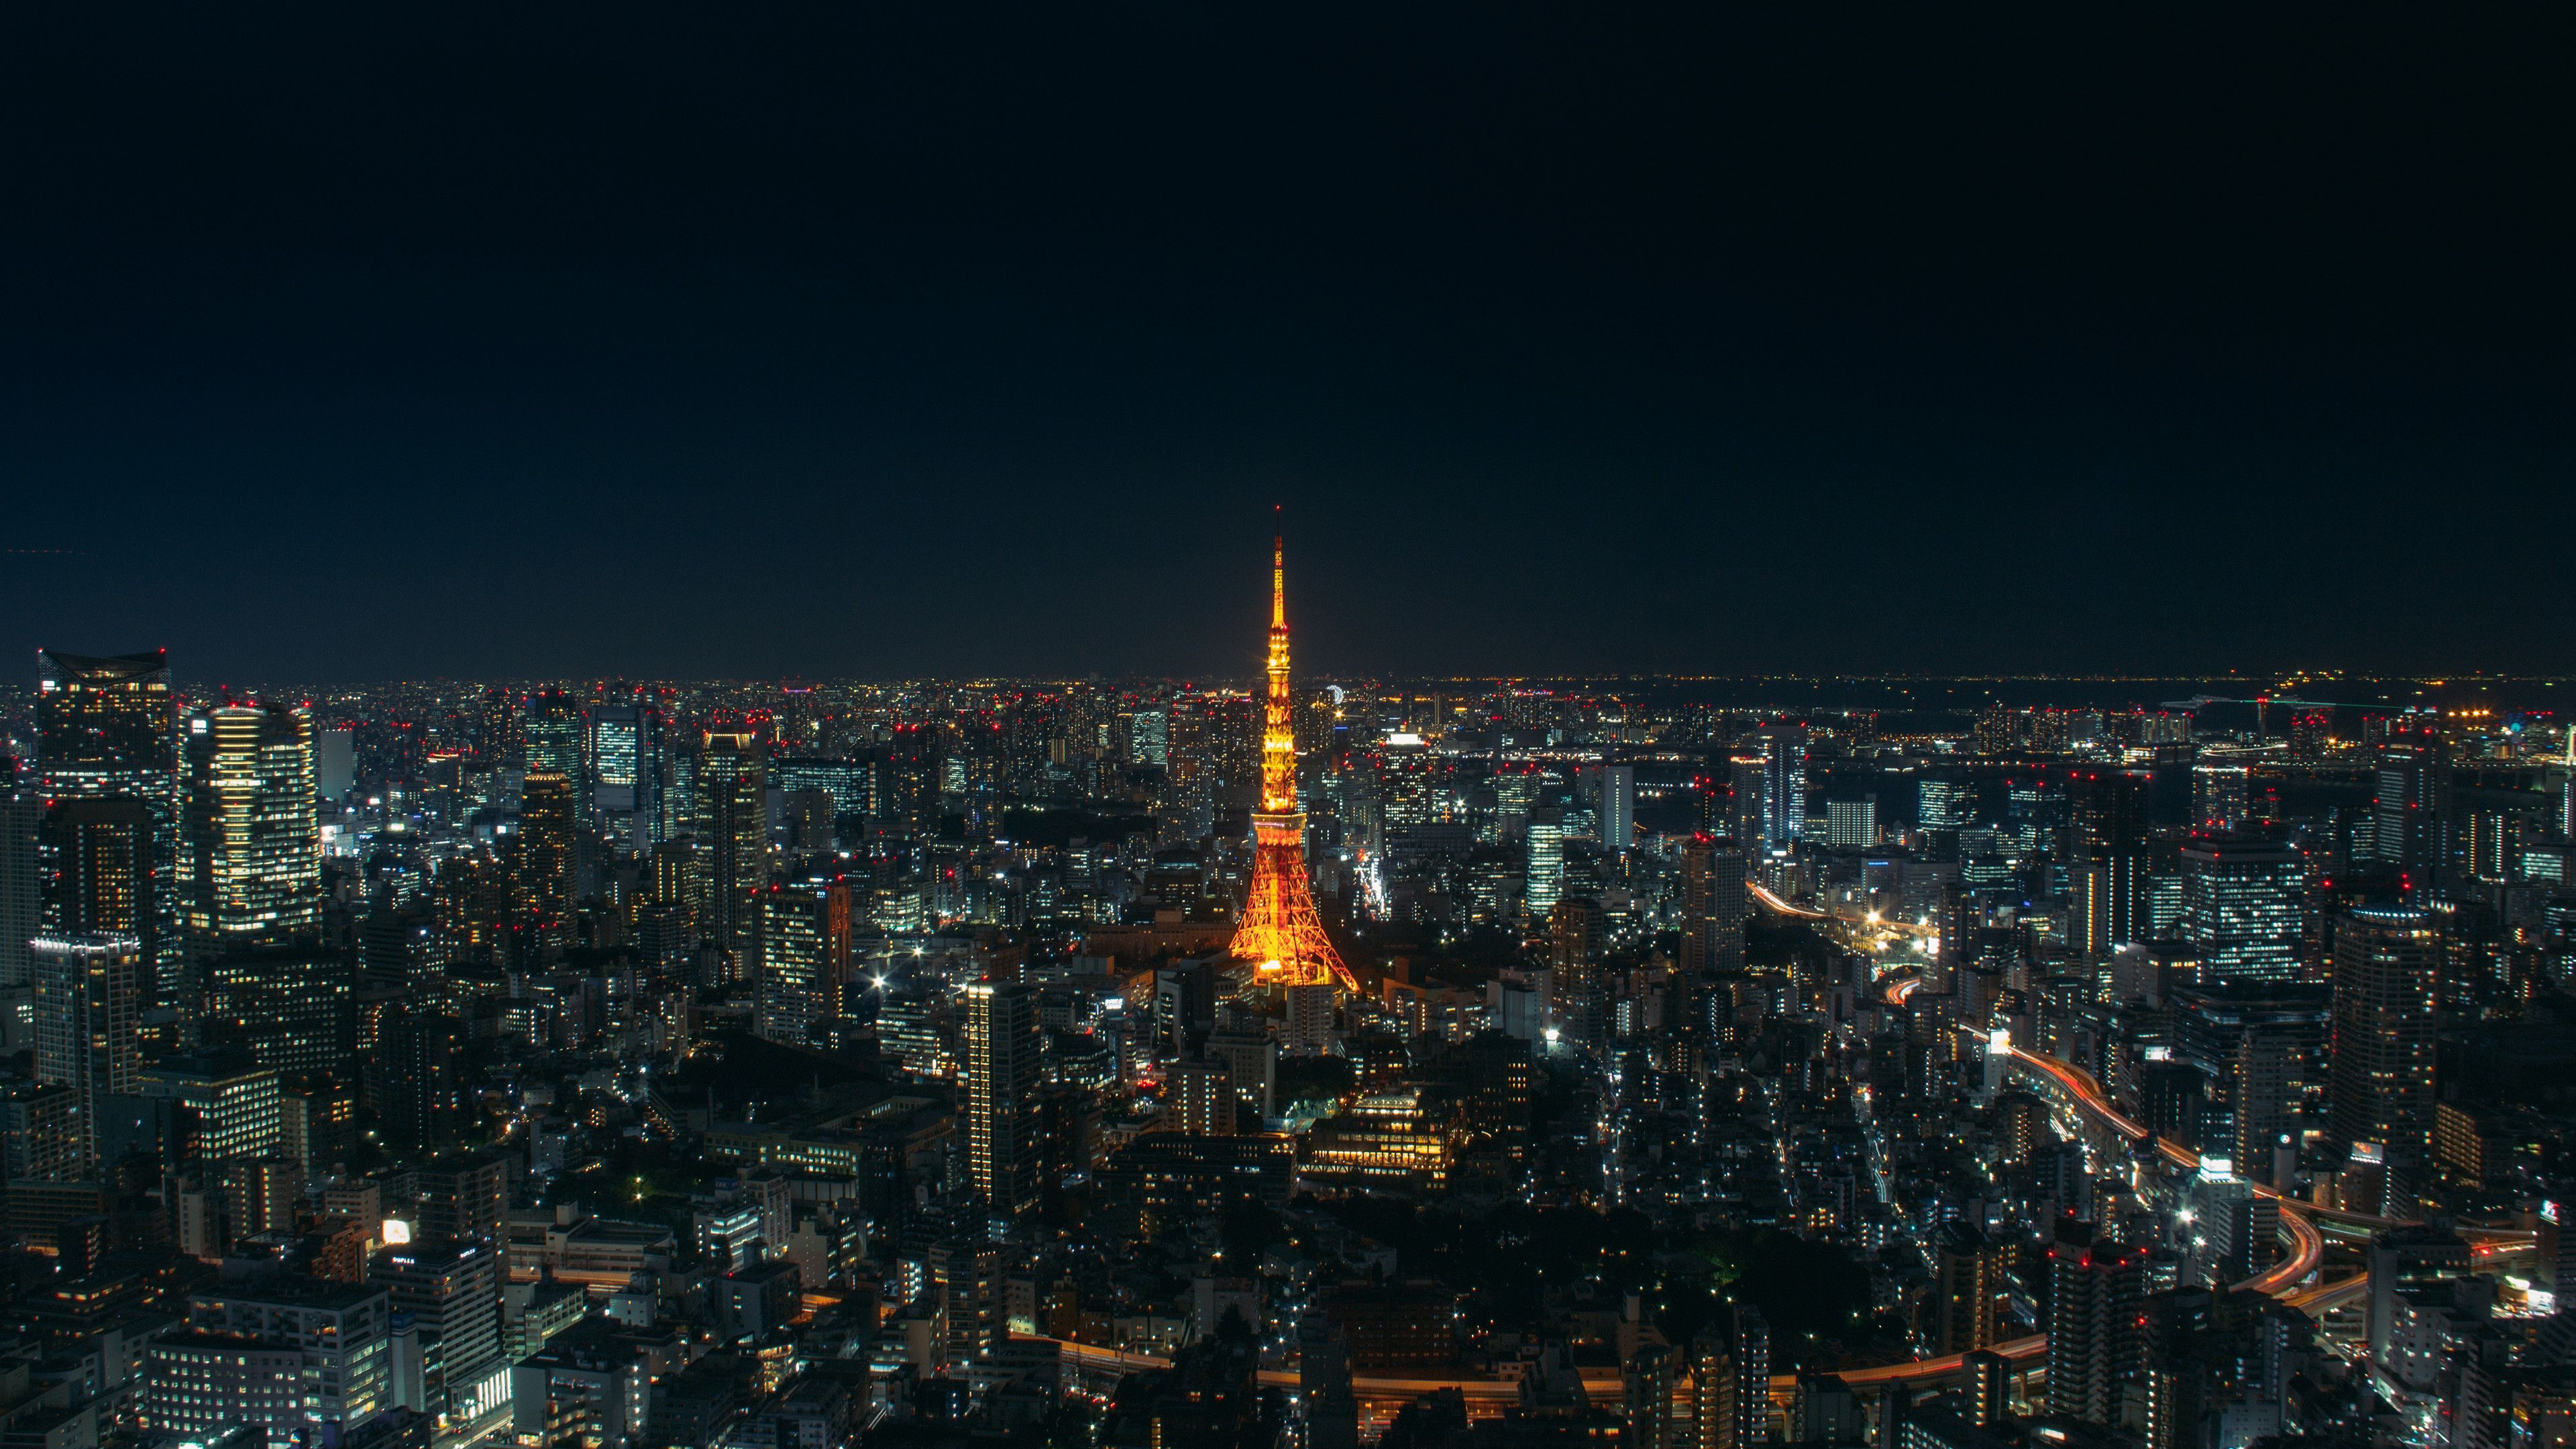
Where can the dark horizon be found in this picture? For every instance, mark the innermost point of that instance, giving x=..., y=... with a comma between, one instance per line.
x=885, y=345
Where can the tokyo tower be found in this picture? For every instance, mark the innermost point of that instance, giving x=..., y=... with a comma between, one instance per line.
x=1279, y=930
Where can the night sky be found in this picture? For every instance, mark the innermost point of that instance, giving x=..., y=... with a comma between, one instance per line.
x=881, y=340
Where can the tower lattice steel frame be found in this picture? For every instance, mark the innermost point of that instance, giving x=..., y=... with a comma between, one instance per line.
x=1280, y=930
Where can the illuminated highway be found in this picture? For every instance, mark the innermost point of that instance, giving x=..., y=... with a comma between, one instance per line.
x=1762, y=895
x=2307, y=1245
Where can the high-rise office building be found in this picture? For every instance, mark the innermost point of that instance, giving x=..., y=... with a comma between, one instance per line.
x=2310, y=732
x=1575, y=930
x=96, y=873
x=2243, y=895
x=1203, y=1093
x=40, y=1133
x=88, y=999
x=851, y=783
x=1614, y=789
x=1715, y=904
x=1944, y=803
x=105, y=727
x=335, y=764
x=2494, y=840
x=250, y=843
x=2107, y=816
x=22, y=904
x=2411, y=804
x=805, y=957
x=546, y=849
x=289, y=1007
x=501, y=742
x=1771, y=785
x=416, y=1077
x=999, y=1032
x=552, y=725
x=2219, y=795
x=1546, y=870
x=2089, y=886
x=626, y=764
x=733, y=840
x=238, y=1101
x=2259, y=1046
x=2233, y=1227
x=464, y=1198
x=2387, y=964
x=1149, y=739
x=1851, y=824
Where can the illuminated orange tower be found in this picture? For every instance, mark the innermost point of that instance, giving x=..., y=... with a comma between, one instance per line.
x=1279, y=929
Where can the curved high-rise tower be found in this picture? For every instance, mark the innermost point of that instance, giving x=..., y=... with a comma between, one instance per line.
x=1279, y=929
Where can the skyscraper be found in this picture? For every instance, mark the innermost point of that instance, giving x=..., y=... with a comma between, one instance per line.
x=552, y=728
x=2219, y=795
x=2387, y=962
x=1544, y=844
x=2093, y=1327
x=1582, y=1004
x=2259, y=1046
x=1778, y=803
x=805, y=957
x=1279, y=930
x=1615, y=789
x=105, y=727
x=626, y=775
x=733, y=842
x=1149, y=740
x=503, y=743
x=1000, y=1037
x=546, y=849
x=1969, y=1290
x=87, y=1001
x=250, y=850
x=2108, y=819
x=2411, y=804
x=2243, y=894
x=94, y=859
x=1714, y=906
x=22, y=903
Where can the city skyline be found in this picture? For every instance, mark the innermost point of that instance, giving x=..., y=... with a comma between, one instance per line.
x=2077, y=1055
x=1925, y=796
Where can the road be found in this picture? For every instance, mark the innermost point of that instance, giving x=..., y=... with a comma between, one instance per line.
x=1763, y=896
x=2307, y=1245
